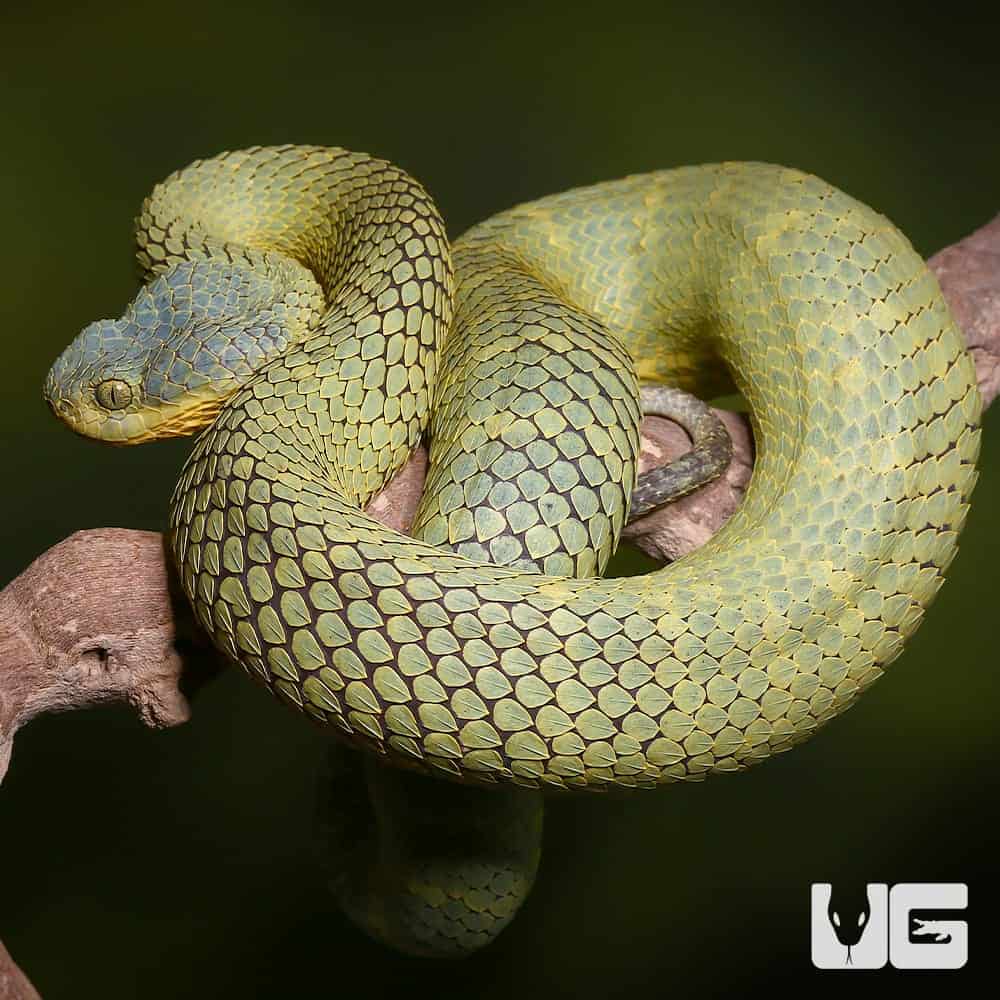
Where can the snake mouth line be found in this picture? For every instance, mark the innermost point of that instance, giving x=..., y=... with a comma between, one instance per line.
x=185, y=420
x=151, y=423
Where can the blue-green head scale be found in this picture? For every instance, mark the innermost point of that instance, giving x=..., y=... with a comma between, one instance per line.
x=187, y=340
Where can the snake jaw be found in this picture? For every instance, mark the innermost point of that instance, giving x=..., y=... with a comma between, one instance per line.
x=154, y=424
x=140, y=424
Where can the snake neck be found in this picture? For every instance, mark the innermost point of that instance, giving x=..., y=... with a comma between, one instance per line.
x=376, y=246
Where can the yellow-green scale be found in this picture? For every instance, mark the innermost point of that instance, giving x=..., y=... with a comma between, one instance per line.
x=865, y=413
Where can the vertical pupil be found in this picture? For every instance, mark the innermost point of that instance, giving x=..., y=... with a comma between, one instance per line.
x=114, y=394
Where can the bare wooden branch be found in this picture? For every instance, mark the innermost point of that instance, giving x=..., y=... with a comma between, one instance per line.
x=90, y=621
x=97, y=618
x=969, y=274
x=14, y=983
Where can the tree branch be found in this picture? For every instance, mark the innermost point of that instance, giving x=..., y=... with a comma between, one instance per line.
x=969, y=275
x=14, y=983
x=98, y=617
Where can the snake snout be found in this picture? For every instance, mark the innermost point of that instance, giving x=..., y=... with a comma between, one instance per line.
x=55, y=391
x=61, y=408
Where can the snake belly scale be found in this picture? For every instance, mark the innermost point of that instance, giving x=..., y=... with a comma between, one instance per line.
x=306, y=296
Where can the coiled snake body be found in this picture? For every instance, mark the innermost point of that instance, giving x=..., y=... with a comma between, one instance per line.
x=300, y=302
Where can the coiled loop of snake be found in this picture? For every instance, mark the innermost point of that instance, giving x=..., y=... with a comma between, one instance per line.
x=865, y=415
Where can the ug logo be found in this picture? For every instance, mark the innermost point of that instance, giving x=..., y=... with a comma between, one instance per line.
x=912, y=925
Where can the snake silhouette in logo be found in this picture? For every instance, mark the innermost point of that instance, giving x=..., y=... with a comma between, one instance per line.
x=849, y=911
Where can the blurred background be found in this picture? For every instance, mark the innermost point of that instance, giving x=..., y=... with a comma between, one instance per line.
x=160, y=865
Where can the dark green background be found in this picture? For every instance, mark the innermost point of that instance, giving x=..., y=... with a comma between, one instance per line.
x=178, y=864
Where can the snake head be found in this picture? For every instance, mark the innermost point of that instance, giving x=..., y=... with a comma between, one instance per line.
x=96, y=385
x=110, y=384
x=186, y=342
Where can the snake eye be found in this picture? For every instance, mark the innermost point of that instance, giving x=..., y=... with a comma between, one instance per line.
x=113, y=394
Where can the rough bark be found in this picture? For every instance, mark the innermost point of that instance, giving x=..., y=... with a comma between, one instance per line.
x=969, y=275
x=14, y=983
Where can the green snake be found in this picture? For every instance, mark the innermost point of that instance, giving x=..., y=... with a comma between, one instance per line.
x=303, y=308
